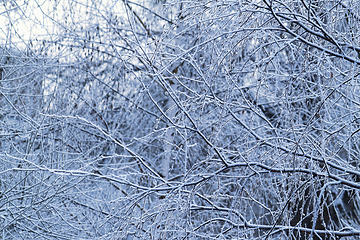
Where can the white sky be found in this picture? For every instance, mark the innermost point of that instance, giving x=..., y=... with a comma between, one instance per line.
x=23, y=20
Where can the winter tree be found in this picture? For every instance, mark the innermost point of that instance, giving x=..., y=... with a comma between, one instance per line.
x=180, y=119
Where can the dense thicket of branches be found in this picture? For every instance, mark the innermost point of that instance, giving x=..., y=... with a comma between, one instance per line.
x=180, y=119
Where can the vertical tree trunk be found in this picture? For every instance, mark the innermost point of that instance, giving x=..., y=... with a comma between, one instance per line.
x=171, y=110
